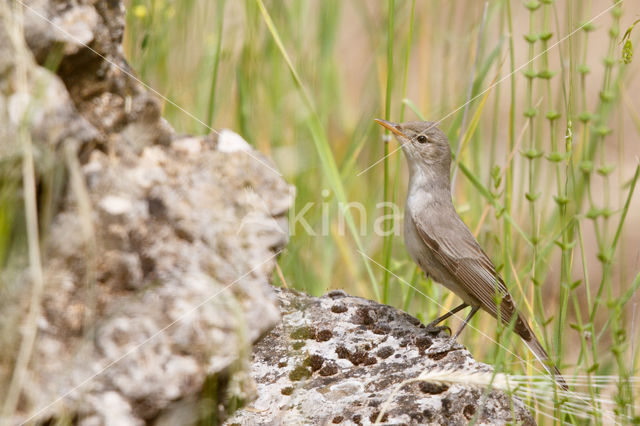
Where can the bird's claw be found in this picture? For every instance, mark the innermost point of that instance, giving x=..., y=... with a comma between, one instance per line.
x=436, y=329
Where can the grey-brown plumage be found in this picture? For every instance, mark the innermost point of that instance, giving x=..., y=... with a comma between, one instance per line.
x=442, y=245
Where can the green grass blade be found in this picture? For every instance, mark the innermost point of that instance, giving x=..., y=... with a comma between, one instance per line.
x=388, y=237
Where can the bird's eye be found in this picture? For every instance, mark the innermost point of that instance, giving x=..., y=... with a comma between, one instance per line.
x=422, y=138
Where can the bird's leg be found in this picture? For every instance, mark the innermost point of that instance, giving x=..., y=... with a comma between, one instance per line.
x=433, y=326
x=474, y=309
x=447, y=315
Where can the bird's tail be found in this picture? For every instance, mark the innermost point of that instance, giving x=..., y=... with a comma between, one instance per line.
x=538, y=351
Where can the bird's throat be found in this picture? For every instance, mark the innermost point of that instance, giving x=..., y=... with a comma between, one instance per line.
x=429, y=178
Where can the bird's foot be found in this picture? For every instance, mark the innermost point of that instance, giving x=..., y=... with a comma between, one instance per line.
x=436, y=329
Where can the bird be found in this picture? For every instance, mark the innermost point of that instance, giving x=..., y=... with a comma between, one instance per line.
x=442, y=245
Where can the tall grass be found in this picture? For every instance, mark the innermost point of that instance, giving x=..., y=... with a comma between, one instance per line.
x=546, y=177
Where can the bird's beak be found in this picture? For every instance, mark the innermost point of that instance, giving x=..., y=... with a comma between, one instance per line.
x=391, y=126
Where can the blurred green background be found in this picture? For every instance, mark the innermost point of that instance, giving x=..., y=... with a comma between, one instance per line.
x=548, y=148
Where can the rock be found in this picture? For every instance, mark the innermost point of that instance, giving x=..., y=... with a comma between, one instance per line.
x=159, y=253
x=29, y=93
x=181, y=291
x=337, y=359
x=98, y=79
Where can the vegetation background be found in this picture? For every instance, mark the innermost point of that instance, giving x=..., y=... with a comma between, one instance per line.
x=537, y=102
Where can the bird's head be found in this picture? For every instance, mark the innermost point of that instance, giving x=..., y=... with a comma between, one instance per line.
x=423, y=143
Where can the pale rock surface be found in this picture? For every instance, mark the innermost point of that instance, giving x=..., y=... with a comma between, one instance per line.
x=337, y=359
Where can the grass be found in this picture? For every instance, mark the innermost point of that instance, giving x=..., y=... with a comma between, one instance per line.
x=546, y=180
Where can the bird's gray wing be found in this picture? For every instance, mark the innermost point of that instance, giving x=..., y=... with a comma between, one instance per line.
x=455, y=247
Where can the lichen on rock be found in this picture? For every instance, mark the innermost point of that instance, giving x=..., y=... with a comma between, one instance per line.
x=337, y=359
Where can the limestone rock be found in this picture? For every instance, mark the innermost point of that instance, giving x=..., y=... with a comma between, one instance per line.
x=180, y=290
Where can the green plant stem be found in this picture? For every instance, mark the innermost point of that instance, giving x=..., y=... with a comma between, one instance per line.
x=216, y=64
x=388, y=224
x=409, y=292
x=508, y=191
